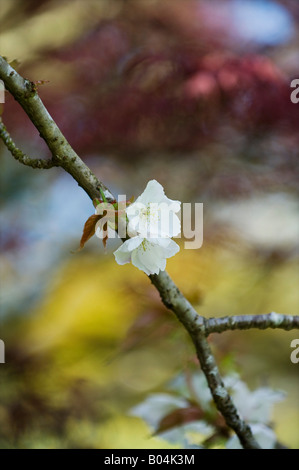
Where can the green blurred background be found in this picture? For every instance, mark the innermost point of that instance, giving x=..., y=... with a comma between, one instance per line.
x=196, y=95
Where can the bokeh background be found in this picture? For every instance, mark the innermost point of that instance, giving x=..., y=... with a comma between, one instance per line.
x=195, y=94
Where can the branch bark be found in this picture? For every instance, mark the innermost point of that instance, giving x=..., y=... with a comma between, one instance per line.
x=245, y=322
x=195, y=325
x=22, y=157
x=25, y=92
x=63, y=155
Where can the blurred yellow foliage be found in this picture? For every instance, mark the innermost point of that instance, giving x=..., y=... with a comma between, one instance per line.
x=77, y=362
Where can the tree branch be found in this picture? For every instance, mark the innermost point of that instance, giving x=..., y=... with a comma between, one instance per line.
x=22, y=157
x=195, y=325
x=245, y=322
x=25, y=93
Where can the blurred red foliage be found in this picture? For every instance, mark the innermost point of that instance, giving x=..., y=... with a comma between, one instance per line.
x=169, y=78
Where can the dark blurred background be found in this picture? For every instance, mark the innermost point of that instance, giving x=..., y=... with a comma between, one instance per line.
x=195, y=94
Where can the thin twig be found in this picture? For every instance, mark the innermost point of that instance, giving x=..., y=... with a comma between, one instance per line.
x=245, y=322
x=22, y=157
x=25, y=92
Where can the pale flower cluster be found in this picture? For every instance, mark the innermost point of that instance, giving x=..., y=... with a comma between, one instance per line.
x=255, y=407
x=152, y=221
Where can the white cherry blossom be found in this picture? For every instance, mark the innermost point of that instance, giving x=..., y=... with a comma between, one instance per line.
x=153, y=215
x=152, y=221
x=148, y=255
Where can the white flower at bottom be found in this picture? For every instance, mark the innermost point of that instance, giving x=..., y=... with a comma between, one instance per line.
x=255, y=406
x=264, y=436
x=148, y=255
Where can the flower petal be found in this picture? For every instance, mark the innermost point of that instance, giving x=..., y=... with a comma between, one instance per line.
x=170, y=248
x=154, y=192
x=149, y=258
x=169, y=224
x=137, y=261
x=138, y=218
x=153, y=214
x=133, y=243
x=124, y=252
x=155, y=256
x=122, y=256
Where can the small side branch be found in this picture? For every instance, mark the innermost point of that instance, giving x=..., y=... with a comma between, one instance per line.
x=25, y=92
x=245, y=322
x=22, y=157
